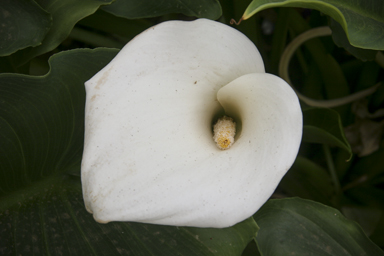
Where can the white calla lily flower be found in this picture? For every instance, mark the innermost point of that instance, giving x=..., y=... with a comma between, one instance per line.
x=149, y=153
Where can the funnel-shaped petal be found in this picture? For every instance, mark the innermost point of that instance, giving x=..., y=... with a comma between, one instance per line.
x=149, y=155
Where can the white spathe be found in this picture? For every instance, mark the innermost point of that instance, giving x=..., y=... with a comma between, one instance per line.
x=149, y=155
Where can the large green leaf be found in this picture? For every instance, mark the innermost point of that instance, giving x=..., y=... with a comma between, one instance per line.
x=363, y=20
x=65, y=14
x=23, y=24
x=341, y=40
x=41, y=205
x=324, y=126
x=133, y=9
x=301, y=227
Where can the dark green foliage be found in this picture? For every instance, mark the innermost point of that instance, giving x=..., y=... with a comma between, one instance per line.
x=42, y=129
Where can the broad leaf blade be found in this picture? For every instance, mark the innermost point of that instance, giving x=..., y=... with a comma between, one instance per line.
x=23, y=24
x=56, y=223
x=301, y=227
x=324, y=126
x=42, y=119
x=132, y=9
x=341, y=40
x=65, y=14
x=362, y=20
x=41, y=205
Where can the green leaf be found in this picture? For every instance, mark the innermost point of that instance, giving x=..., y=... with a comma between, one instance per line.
x=41, y=206
x=308, y=180
x=42, y=119
x=23, y=24
x=362, y=20
x=341, y=40
x=132, y=9
x=56, y=223
x=65, y=14
x=324, y=126
x=368, y=218
x=301, y=227
x=108, y=23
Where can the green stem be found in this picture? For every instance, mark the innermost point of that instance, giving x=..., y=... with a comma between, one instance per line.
x=284, y=63
x=332, y=170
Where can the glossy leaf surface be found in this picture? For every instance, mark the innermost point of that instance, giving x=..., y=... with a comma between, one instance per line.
x=65, y=14
x=363, y=20
x=301, y=227
x=23, y=24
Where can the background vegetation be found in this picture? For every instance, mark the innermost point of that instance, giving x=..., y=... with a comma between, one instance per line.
x=331, y=202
